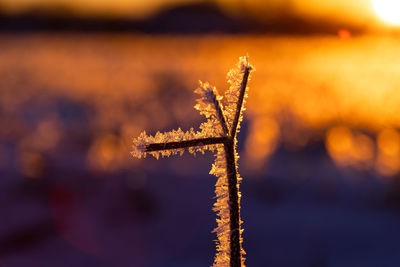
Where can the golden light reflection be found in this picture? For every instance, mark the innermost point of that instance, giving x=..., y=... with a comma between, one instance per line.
x=261, y=143
x=339, y=142
x=47, y=135
x=364, y=149
x=350, y=149
x=105, y=153
x=389, y=142
x=388, y=162
x=32, y=165
x=388, y=10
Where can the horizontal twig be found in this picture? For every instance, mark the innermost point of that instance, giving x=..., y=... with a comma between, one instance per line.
x=185, y=144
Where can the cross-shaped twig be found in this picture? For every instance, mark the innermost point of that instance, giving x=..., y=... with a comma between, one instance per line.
x=218, y=132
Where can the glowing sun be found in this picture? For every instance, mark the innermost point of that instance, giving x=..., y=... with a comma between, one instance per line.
x=388, y=10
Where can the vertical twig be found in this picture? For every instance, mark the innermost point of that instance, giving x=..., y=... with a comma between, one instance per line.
x=233, y=186
x=234, y=210
x=240, y=101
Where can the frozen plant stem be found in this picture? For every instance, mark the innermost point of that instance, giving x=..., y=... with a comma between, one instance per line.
x=239, y=106
x=234, y=211
x=222, y=124
x=234, y=208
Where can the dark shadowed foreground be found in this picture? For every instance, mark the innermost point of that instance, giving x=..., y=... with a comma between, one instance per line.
x=320, y=150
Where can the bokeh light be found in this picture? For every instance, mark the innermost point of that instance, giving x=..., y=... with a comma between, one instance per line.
x=388, y=162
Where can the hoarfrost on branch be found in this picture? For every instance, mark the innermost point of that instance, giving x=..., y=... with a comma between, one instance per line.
x=218, y=132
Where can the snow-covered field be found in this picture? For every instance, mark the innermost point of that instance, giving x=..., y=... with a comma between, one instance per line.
x=71, y=194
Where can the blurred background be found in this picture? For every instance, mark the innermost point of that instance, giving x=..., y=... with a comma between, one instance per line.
x=319, y=147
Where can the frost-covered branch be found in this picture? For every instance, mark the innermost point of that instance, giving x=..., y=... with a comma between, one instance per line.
x=231, y=178
x=239, y=106
x=209, y=105
x=184, y=144
x=220, y=113
x=217, y=133
x=235, y=96
x=173, y=142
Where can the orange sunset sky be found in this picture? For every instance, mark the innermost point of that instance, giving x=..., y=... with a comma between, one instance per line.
x=349, y=10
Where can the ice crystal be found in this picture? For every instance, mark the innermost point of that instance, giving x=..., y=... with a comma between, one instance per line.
x=218, y=132
x=141, y=144
x=232, y=95
x=221, y=207
x=209, y=105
